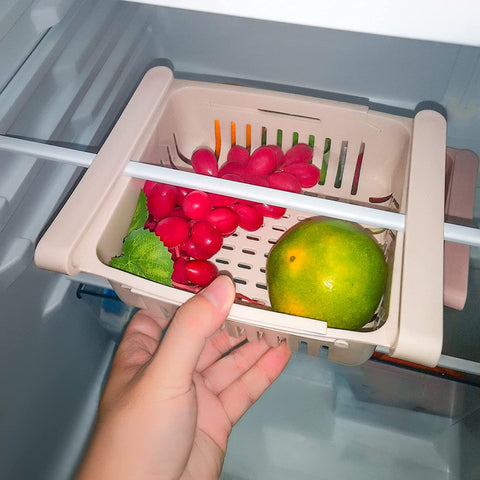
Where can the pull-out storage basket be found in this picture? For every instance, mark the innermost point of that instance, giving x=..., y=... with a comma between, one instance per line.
x=372, y=164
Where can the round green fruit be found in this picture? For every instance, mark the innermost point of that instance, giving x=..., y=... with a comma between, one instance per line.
x=327, y=269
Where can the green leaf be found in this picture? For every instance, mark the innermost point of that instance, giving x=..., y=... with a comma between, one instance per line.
x=141, y=213
x=145, y=255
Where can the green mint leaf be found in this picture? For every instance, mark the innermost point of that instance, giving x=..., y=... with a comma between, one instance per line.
x=141, y=213
x=145, y=255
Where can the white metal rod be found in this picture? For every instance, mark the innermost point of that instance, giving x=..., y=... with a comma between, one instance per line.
x=303, y=203
x=46, y=151
x=366, y=215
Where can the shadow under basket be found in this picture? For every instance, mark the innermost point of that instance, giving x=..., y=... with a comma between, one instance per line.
x=370, y=159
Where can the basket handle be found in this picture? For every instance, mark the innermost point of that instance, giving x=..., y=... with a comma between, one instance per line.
x=420, y=333
x=56, y=249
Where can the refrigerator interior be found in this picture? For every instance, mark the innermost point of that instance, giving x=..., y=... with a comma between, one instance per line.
x=68, y=69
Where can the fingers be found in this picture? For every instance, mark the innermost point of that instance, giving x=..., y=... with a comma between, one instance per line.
x=140, y=340
x=217, y=345
x=174, y=363
x=225, y=371
x=139, y=343
x=238, y=397
x=145, y=324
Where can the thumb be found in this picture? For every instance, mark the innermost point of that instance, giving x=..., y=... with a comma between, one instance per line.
x=176, y=359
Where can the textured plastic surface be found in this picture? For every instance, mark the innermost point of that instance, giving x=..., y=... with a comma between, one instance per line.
x=166, y=116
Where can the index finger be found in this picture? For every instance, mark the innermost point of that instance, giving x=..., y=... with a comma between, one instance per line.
x=240, y=395
x=220, y=343
x=195, y=321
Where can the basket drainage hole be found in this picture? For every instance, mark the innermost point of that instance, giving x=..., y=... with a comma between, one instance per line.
x=278, y=228
x=227, y=247
x=248, y=251
x=279, y=137
x=233, y=134
x=302, y=347
x=245, y=266
x=263, y=140
x=272, y=241
x=326, y=157
x=358, y=166
x=248, y=137
x=222, y=261
x=341, y=164
x=253, y=237
x=218, y=138
x=261, y=286
x=240, y=281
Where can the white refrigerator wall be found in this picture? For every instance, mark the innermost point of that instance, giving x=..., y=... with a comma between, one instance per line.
x=68, y=68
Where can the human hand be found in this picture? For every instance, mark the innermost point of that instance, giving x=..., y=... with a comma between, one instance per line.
x=168, y=408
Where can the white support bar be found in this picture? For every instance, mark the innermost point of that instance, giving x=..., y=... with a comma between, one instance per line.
x=308, y=204
x=459, y=364
x=302, y=203
x=46, y=151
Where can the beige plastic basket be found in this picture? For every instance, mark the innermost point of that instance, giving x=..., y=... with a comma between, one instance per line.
x=376, y=159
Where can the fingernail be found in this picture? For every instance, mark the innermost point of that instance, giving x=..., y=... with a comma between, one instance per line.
x=221, y=292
